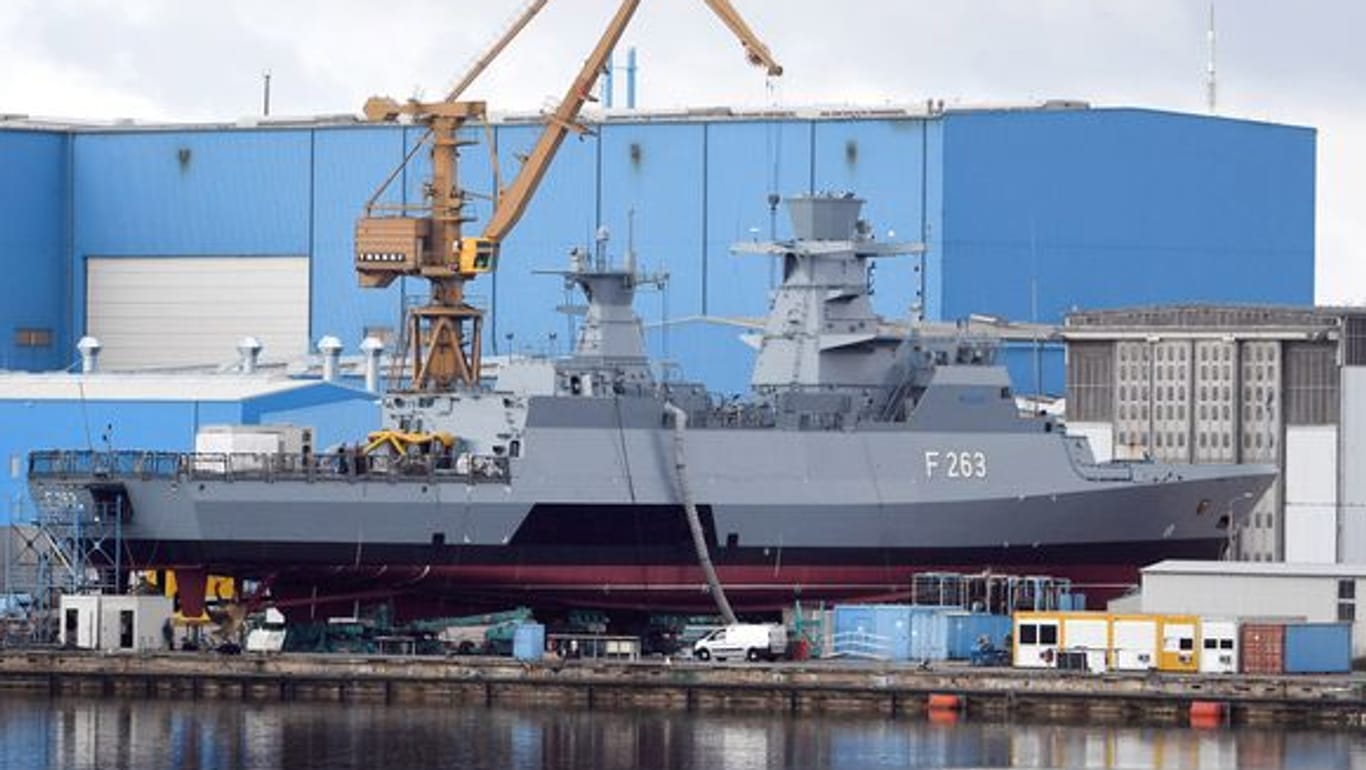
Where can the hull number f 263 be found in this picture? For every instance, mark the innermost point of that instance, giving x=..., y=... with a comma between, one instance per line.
x=955, y=465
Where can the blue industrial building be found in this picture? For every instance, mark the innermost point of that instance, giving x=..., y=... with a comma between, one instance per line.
x=160, y=412
x=1026, y=213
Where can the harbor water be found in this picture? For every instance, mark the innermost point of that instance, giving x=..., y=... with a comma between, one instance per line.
x=77, y=732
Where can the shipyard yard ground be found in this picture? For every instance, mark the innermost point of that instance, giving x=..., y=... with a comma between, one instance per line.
x=943, y=692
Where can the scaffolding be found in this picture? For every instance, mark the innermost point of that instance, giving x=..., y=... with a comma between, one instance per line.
x=73, y=546
x=994, y=592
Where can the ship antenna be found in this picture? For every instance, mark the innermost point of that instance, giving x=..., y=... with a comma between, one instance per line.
x=1212, y=83
x=774, y=147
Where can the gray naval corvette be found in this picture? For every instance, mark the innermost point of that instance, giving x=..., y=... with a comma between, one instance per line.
x=867, y=453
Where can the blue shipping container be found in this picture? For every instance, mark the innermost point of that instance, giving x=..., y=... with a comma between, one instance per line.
x=528, y=641
x=930, y=633
x=891, y=631
x=879, y=631
x=965, y=628
x=1318, y=648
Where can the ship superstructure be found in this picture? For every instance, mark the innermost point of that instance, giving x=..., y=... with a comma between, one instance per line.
x=868, y=451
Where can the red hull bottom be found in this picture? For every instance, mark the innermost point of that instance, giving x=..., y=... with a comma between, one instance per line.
x=442, y=579
x=652, y=588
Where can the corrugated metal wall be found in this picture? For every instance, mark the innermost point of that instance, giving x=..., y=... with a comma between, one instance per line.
x=34, y=221
x=1047, y=211
x=348, y=164
x=1027, y=213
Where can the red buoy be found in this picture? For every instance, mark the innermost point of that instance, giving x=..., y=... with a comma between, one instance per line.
x=944, y=702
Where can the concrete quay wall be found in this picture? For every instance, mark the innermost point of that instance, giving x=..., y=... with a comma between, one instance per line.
x=815, y=687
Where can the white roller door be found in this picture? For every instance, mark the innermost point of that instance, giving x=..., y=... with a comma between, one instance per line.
x=175, y=311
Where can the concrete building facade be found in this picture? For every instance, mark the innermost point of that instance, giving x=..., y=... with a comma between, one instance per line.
x=235, y=230
x=1242, y=384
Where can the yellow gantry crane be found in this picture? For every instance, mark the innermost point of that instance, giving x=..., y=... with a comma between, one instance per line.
x=426, y=240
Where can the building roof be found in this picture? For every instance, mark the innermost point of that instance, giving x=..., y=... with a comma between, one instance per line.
x=929, y=109
x=111, y=386
x=1207, y=316
x=920, y=110
x=1255, y=569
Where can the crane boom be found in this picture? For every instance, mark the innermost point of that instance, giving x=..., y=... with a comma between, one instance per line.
x=755, y=50
x=523, y=18
x=512, y=204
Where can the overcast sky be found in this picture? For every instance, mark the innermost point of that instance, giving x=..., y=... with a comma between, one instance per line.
x=1301, y=63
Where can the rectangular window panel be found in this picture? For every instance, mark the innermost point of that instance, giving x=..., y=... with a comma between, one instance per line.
x=33, y=338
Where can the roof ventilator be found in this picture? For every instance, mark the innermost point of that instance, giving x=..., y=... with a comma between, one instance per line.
x=90, y=354
x=372, y=348
x=249, y=350
x=331, y=348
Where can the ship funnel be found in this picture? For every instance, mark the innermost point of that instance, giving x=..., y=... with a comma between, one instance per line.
x=90, y=354
x=372, y=348
x=331, y=348
x=249, y=350
x=824, y=217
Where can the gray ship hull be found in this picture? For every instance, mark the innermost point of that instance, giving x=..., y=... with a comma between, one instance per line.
x=593, y=513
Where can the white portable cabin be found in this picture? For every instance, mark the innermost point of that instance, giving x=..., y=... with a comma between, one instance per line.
x=114, y=623
x=1218, y=646
x=1041, y=638
x=80, y=624
x=1135, y=643
x=1036, y=640
x=1090, y=636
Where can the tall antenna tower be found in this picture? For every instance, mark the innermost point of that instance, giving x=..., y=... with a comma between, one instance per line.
x=1211, y=84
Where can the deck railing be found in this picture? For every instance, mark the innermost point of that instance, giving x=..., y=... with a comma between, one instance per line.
x=348, y=466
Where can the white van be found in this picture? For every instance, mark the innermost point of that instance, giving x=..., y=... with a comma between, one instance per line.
x=751, y=641
x=269, y=635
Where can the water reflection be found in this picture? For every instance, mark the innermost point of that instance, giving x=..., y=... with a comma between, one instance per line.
x=85, y=733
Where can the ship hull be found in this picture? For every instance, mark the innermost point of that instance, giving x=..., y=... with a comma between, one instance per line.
x=592, y=515
x=641, y=555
